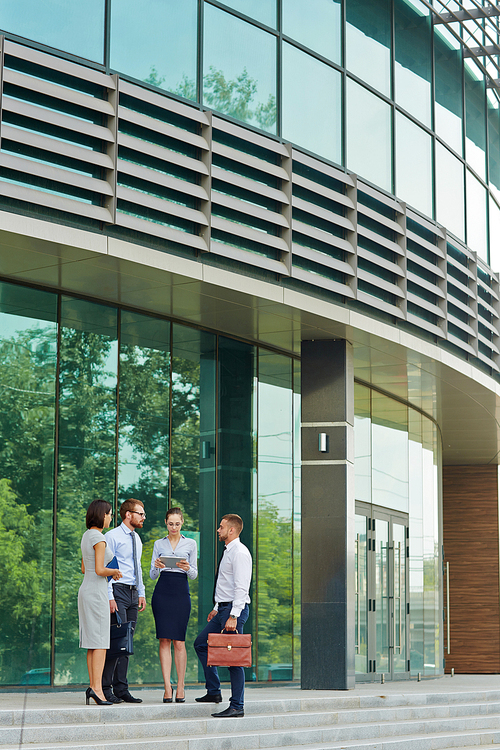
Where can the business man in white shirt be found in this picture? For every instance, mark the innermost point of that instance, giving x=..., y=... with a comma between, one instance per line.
x=230, y=612
x=127, y=598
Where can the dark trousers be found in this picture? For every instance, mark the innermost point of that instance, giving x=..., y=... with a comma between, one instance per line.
x=237, y=674
x=114, y=676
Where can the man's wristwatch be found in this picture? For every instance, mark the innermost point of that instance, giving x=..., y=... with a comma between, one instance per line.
x=233, y=617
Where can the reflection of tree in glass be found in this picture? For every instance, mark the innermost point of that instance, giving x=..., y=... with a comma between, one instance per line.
x=25, y=589
x=144, y=423
x=154, y=78
x=233, y=97
x=87, y=429
x=274, y=586
x=27, y=391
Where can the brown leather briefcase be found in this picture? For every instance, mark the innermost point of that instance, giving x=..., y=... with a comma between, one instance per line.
x=229, y=650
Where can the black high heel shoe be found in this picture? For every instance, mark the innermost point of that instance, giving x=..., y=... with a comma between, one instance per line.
x=179, y=700
x=89, y=693
x=167, y=700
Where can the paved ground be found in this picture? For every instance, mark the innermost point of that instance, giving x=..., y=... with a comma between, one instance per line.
x=66, y=698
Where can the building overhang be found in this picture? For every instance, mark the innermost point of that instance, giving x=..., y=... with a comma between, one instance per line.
x=464, y=401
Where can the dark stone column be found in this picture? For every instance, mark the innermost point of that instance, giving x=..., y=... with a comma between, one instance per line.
x=327, y=638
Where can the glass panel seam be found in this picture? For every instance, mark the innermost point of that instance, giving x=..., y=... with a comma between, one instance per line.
x=54, y=491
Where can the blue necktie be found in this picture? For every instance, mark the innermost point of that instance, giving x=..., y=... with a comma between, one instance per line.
x=134, y=555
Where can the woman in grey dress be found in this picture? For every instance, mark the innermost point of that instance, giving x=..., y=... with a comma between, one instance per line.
x=93, y=603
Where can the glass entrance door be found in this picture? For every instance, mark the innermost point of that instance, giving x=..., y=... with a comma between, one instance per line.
x=382, y=613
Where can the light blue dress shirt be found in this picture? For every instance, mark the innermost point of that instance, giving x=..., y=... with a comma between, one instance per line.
x=186, y=548
x=119, y=541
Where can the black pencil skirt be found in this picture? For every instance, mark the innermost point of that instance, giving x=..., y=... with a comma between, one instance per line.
x=171, y=605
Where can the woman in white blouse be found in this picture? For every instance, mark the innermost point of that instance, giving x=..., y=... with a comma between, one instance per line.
x=171, y=602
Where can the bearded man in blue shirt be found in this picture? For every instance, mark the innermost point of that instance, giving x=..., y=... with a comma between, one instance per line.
x=128, y=598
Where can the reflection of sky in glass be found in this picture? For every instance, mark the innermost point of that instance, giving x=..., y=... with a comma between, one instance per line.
x=448, y=88
x=75, y=27
x=368, y=136
x=475, y=125
x=312, y=113
x=390, y=467
x=317, y=28
x=155, y=35
x=477, y=238
x=362, y=459
x=413, y=165
x=494, y=236
x=412, y=69
x=368, y=43
x=449, y=191
x=262, y=10
x=413, y=93
x=275, y=447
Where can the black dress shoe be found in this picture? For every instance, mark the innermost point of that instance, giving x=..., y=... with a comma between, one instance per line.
x=114, y=698
x=210, y=698
x=229, y=712
x=129, y=698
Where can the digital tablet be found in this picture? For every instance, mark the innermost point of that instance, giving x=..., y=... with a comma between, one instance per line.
x=170, y=561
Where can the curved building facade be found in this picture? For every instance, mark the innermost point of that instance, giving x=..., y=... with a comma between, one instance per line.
x=248, y=263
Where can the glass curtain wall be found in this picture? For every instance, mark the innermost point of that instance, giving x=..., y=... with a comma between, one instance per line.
x=101, y=402
x=397, y=463
x=28, y=353
x=281, y=70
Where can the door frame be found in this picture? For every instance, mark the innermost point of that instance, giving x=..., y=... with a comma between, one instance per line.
x=373, y=513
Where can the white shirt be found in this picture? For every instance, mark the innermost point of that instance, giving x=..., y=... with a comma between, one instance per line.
x=235, y=575
x=185, y=548
x=119, y=541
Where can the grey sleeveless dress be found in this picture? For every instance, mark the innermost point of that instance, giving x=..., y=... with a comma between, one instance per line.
x=93, y=603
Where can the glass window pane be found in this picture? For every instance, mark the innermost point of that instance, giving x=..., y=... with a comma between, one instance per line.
x=361, y=589
x=400, y=595
x=297, y=474
x=156, y=42
x=477, y=238
x=475, y=118
x=448, y=88
x=450, y=192
x=143, y=453
x=494, y=144
x=73, y=27
x=369, y=136
x=319, y=28
x=413, y=165
x=413, y=58
x=312, y=111
x=275, y=508
x=87, y=448
x=432, y=620
x=389, y=453
x=382, y=596
x=416, y=561
x=362, y=444
x=193, y=462
x=28, y=341
x=237, y=401
x=368, y=42
x=262, y=10
x=494, y=236
x=239, y=73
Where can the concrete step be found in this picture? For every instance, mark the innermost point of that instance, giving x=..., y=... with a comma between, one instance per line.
x=413, y=721
x=226, y=741
x=247, y=732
